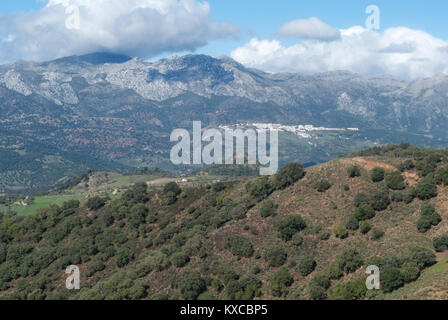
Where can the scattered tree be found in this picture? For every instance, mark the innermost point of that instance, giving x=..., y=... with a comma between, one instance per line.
x=297, y=240
x=280, y=282
x=275, y=256
x=180, y=259
x=322, y=185
x=352, y=223
x=429, y=217
x=95, y=203
x=377, y=174
x=441, y=176
x=426, y=189
x=349, y=260
x=377, y=233
x=360, y=199
x=318, y=286
x=395, y=181
x=260, y=188
x=239, y=246
x=351, y=290
x=307, y=265
x=190, y=284
x=290, y=226
x=440, y=243
x=364, y=227
x=170, y=193
x=268, y=208
x=324, y=235
x=288, y=175
x=380, y=200
x=409, y=271
x=123, y=256
x=340, y=232
x=364, y=212
x=354, y=171
x=391, y=279
x=406, y=165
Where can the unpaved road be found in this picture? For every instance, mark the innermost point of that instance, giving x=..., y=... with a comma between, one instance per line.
x=369, y=164
x=411, y=178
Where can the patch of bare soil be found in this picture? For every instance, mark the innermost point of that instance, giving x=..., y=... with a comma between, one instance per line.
x=411, y=178
x=441, y=256
x=369, y=164
x=161, y=181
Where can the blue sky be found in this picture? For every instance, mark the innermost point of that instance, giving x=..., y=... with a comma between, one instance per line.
x=10, y=6
x=247, y=33
x=262, y=18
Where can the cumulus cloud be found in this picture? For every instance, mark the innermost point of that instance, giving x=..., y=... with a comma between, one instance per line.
x=405, y=47
x=402, y=52
x=311, y=28
x=141, y=28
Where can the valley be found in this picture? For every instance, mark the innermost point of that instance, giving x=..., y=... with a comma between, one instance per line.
x=102, y=111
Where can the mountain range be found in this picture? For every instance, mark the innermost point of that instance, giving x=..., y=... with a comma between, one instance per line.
x=109, y=111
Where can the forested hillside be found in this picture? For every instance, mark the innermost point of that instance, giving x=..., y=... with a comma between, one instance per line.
x=301, y=234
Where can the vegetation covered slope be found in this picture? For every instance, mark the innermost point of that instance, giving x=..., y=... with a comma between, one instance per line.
x=295, y=235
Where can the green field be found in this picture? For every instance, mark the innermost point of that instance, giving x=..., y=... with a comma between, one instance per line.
x=441, y=266
x=39, y=202
x=103, y=183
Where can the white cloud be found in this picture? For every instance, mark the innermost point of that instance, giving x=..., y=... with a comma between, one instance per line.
x=141, y=28
x=311, y=28
x=402, y=52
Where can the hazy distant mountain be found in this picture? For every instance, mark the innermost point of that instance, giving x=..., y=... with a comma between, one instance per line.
x=107, y=110
x=380, y=101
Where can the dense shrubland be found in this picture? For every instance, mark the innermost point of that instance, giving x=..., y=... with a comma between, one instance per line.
x=233, y=240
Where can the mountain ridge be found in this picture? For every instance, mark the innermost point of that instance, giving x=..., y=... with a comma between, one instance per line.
x=121, y=111
x=207, y=76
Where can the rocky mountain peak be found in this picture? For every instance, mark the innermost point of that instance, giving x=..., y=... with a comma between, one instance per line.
x=97, y=58
x=376, y=99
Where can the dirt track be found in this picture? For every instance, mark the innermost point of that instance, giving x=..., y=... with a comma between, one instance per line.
x=411, y=178
x=369, y=164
